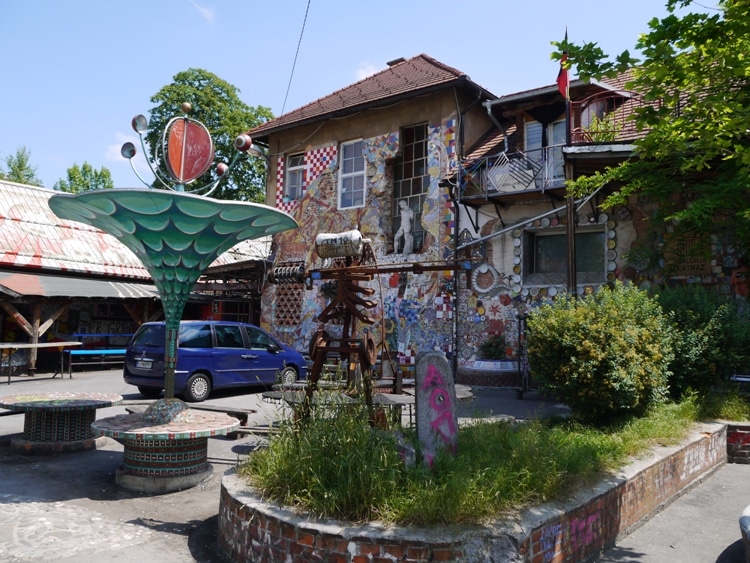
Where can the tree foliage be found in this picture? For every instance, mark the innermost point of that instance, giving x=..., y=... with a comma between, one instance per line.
x=85, y=178
x=695, y=80
x=216, y=104
x=712, y=338
x=19, y=170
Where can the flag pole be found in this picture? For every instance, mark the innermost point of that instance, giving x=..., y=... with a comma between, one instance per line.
x=563, y=84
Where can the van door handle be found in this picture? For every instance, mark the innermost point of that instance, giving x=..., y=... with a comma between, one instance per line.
x=249, y=356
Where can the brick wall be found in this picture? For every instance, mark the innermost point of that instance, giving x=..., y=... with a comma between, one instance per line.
x=738, y=442
x=250, y=529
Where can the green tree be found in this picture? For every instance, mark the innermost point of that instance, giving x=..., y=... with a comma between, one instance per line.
x=85, y=178
x=19, y=169
x=216, y=104
x=695, y=80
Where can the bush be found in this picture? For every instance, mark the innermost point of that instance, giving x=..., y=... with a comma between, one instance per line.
x=606, y=355
x=711, y=339
x=494, y=348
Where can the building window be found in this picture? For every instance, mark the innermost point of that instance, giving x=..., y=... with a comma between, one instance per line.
x=295, y=177
x=544, y=145
x=352, y=175
x=411, y=181
x=546, y=256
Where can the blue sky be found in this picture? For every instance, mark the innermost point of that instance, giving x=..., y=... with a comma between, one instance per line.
x=75, y=72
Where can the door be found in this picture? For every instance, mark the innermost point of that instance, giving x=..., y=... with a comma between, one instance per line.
x=233, y=362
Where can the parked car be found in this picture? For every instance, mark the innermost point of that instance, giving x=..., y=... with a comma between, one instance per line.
x=210, y=355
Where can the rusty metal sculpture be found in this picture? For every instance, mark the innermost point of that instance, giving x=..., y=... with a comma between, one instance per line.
x=348, y=261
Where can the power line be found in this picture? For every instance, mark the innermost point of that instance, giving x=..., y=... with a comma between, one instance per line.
x=289, y=86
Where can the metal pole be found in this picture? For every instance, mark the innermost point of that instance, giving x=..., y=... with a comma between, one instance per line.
x=570, y=213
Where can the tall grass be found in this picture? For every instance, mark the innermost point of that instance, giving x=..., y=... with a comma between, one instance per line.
x=336, y=466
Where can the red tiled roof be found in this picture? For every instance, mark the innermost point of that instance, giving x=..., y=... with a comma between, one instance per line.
x=491, y=142
x=403, y=78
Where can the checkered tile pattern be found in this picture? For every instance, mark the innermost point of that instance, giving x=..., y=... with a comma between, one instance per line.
x=443, y=307
x=316, y=161
x=407, y=358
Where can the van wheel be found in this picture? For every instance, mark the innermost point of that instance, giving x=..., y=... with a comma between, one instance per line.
x=149, y=392
x=197, y=388
x=288, y=375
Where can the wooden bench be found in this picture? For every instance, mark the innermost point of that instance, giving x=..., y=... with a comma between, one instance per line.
x=94, y=357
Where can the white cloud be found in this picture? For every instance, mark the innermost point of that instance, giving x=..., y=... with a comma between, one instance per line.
x=365, y=70
x=206, y=13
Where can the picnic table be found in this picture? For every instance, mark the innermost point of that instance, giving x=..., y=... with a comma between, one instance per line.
x=57, y=422
x=11, y=347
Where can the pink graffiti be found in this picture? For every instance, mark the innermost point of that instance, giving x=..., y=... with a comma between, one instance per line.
x=440, y=402
x=584, y=531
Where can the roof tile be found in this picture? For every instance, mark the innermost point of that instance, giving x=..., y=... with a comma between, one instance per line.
x=403, y=77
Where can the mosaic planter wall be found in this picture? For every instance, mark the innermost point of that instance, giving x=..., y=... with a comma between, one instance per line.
x=253, y=530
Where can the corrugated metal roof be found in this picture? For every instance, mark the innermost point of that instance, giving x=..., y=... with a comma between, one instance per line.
x=14, y=284
x=33, y=237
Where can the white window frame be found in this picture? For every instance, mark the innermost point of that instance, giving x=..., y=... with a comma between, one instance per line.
x=294, y=184
x=548, y=152
x=352, y=171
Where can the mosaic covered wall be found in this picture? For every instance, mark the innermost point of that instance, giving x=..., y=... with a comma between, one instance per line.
x=415, y=311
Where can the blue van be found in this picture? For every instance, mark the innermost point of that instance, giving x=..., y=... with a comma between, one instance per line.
x=210, y=355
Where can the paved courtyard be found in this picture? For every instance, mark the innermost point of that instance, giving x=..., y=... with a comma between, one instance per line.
x=68, y=508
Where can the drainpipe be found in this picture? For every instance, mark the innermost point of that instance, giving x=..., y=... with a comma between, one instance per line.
x=499, y=125
x=456, y=223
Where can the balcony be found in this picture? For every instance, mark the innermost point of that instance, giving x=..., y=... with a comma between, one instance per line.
x=600, y=122
x=515, y=175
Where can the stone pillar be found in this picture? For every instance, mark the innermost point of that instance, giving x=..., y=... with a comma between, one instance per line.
x=437, y=423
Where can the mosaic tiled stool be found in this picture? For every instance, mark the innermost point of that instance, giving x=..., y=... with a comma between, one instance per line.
x=57, y=422
x=166, y=447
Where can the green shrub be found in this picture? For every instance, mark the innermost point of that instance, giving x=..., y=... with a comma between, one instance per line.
x=494, y=348
x=711, y=340
x=605, y=355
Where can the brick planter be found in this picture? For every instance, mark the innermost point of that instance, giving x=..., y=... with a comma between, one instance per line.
x=738, y=442
x=253, y=530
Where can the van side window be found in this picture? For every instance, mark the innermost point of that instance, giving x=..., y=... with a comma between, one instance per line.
x=228, y=336
x=194, y=336
x=258, y=338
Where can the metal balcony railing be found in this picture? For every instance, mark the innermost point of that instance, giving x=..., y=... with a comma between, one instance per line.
x=605, y=117
x=520, y=171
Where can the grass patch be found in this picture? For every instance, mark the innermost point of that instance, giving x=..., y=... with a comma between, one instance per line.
x=336, y=466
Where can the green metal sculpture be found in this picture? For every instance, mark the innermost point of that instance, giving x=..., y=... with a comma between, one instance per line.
x=175, y=234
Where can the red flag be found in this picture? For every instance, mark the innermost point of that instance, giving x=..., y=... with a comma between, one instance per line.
x=563, y=82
